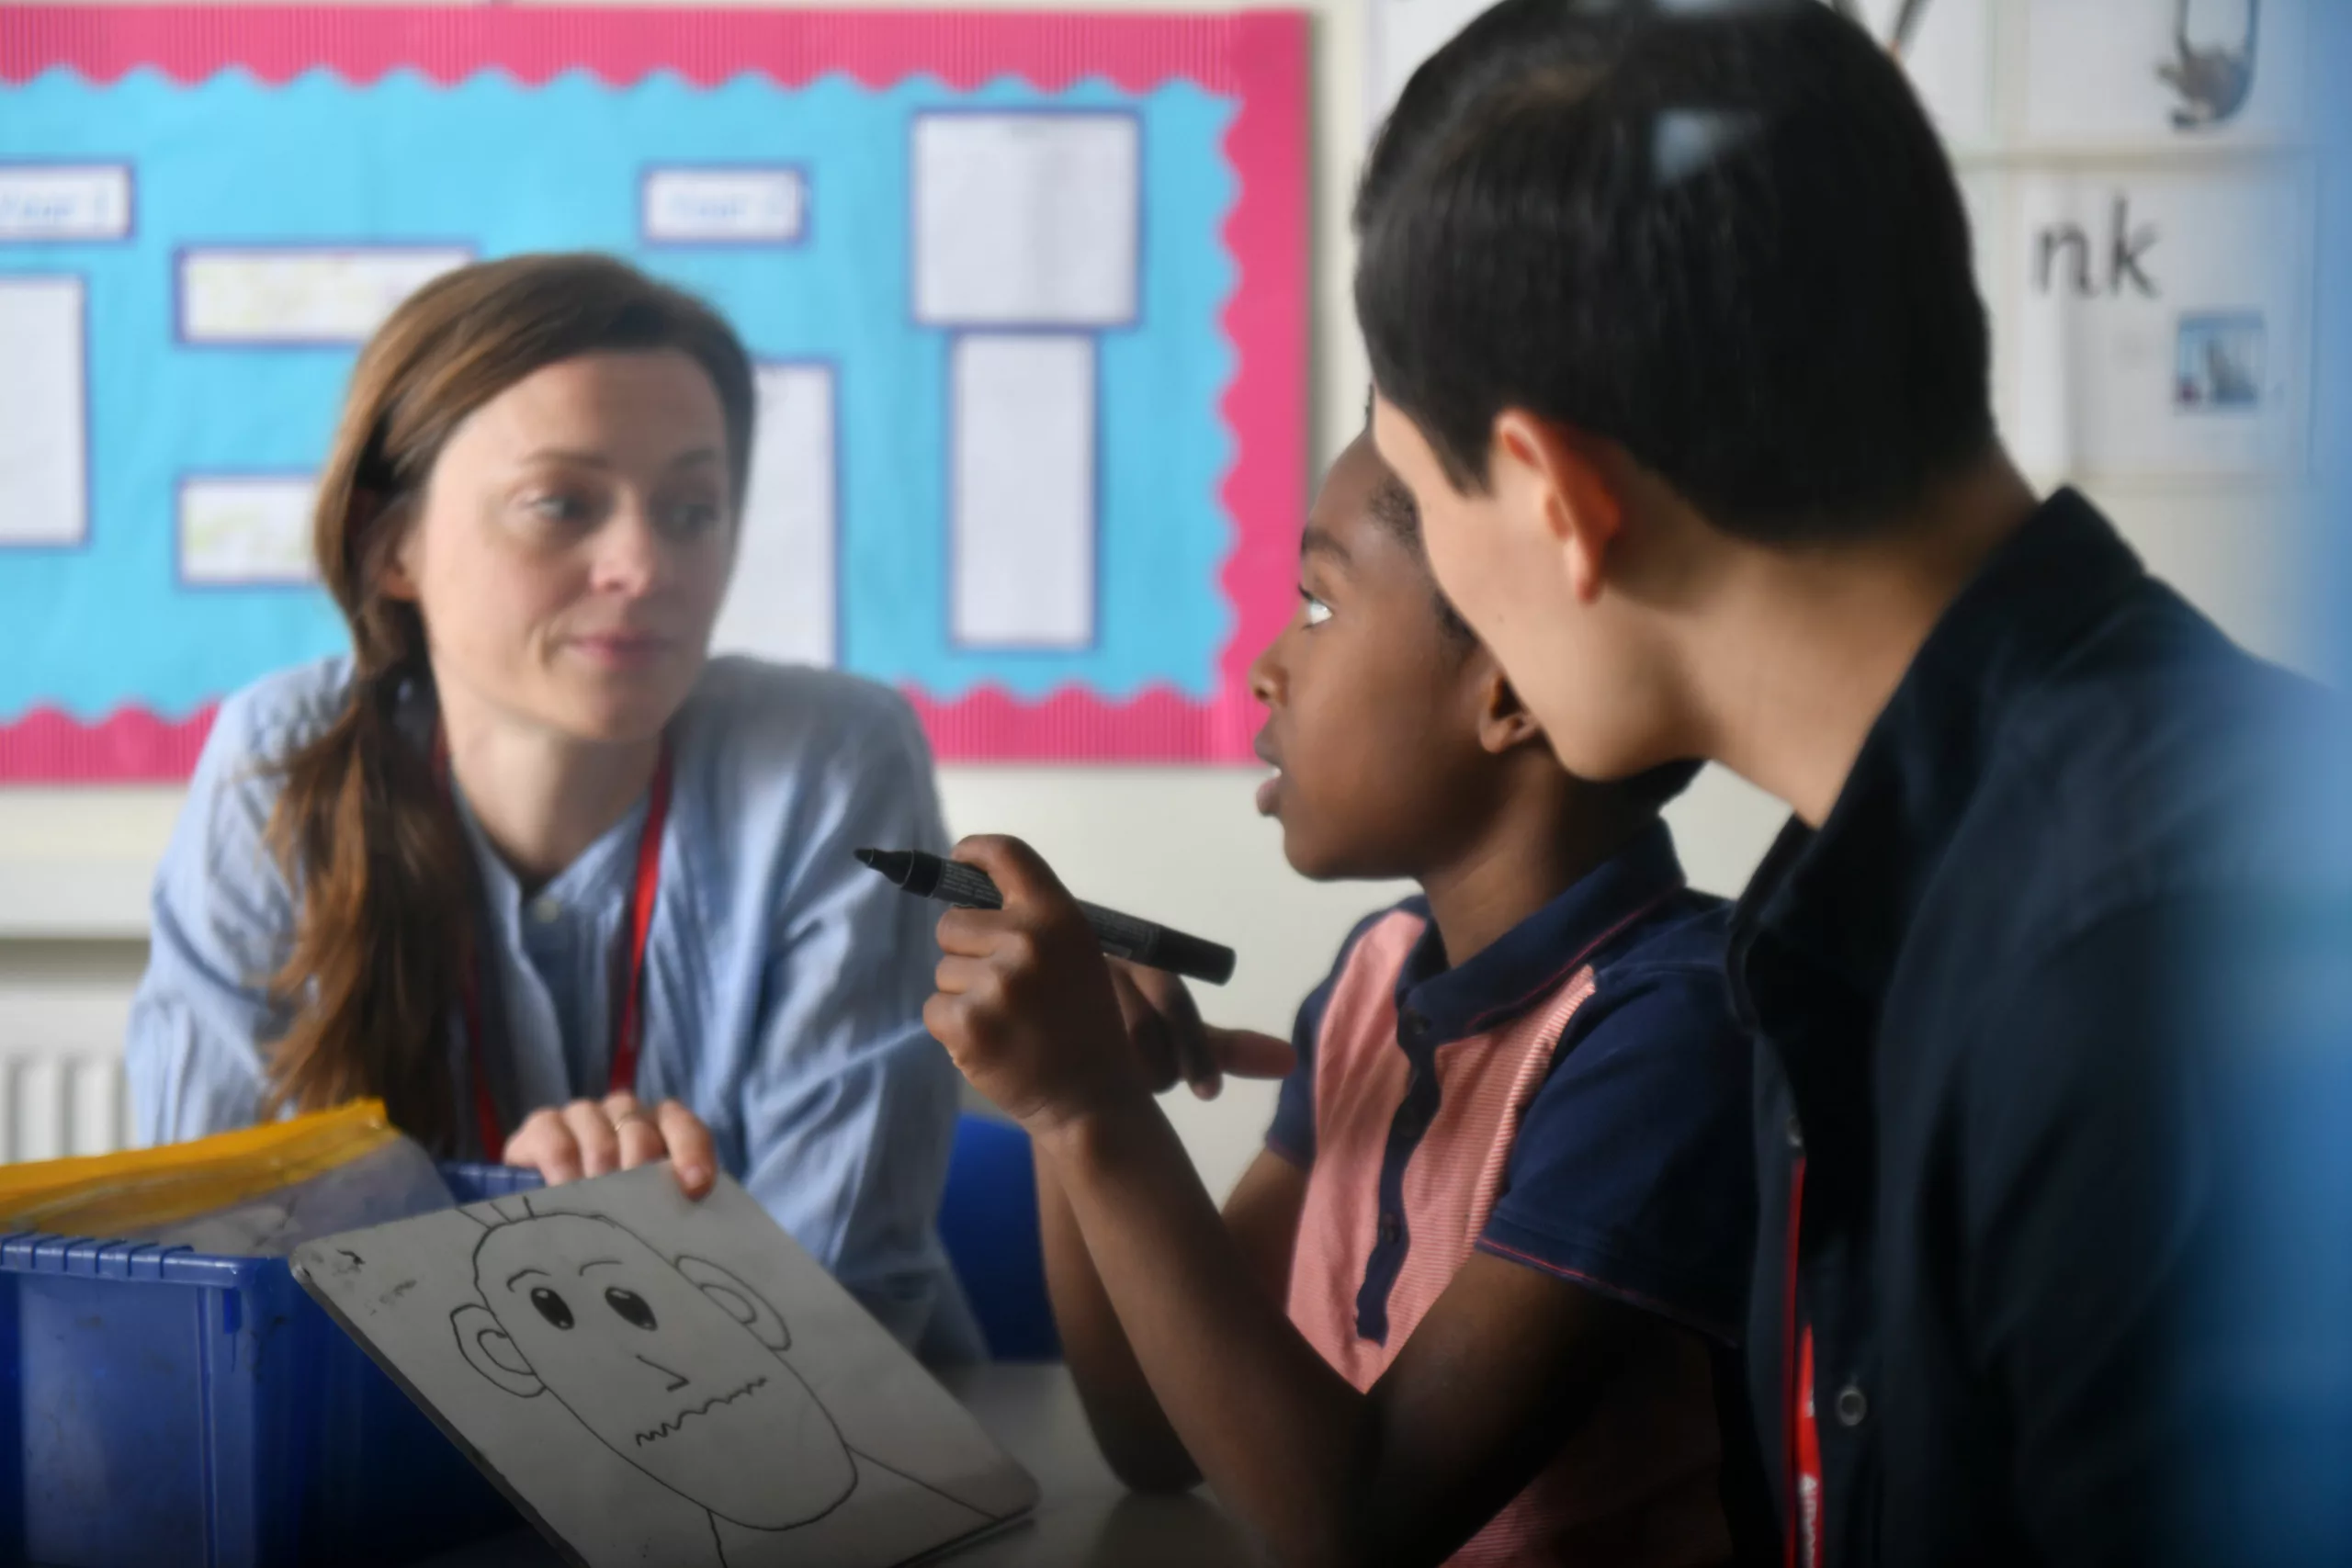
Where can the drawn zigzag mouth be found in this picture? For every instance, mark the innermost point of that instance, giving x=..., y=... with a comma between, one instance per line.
x=679, y=1419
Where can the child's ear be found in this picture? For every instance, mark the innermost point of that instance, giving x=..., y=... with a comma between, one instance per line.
x=1561, y=473
x=1504, y=723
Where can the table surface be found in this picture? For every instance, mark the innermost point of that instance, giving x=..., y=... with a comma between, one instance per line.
x=1085, y=1520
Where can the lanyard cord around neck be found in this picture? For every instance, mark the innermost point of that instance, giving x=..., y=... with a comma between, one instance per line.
x=628, y=1028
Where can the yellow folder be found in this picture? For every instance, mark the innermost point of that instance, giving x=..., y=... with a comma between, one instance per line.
x=119, y=1194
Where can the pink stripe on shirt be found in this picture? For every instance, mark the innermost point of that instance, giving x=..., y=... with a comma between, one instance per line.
x=1636, y=1486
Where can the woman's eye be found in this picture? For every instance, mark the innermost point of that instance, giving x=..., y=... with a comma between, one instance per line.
x=688, y=518
x=1314, y=610
x=558, y=507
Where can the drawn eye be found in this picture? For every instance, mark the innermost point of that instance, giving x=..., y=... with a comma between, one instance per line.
x=551, y=1306
x=629, y=1306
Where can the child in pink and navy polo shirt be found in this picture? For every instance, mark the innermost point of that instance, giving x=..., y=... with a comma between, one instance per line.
x=1478, y=1300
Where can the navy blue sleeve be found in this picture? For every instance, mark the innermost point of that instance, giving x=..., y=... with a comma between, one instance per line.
x=1631, y=1172
x=1292, y=1135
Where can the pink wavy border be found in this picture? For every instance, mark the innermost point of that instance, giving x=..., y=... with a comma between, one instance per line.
x=1256, y=57
x=50, y=746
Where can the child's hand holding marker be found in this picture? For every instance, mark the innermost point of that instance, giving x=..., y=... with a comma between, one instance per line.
x=1035, y=1017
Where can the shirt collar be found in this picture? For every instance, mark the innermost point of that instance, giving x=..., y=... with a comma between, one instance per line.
x=1843, y=897
x=602, y=876
x=1528, y=962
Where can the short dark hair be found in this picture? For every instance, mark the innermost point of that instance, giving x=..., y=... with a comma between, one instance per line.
x=1724, y=237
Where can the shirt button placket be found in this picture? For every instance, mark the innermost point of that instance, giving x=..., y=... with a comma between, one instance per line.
x=1852, y=1407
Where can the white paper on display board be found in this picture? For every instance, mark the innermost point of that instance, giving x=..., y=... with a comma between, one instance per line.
x=302, y=295
x=2161, y=321
x=704, y=206
x=239, y=530
x=44, y=400
x=1027, y=220
x=782, y=602
x=2162, y=73
x=1022, y=544
x=42, y=202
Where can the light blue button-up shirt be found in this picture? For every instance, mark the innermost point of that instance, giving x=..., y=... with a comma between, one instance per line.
x=783, y=981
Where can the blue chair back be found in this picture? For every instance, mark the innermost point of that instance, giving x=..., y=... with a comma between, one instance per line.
x=987, y=1220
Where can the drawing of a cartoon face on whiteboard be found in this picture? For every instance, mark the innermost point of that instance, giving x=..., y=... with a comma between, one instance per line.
x=676, y=1367
x=612, y=1356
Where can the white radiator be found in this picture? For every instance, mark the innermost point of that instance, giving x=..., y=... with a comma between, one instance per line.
x=62, y=1087
x=52, y=1106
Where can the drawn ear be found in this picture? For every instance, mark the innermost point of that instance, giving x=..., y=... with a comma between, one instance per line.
x=494, y=1354
x=744, y=1305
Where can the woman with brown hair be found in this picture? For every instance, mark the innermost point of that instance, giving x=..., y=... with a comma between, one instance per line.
x=526, y=863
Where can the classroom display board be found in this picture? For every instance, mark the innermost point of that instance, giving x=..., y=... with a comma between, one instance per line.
x=2139, y=183
x=1027, y=295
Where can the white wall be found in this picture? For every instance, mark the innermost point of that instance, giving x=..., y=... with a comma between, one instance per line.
x=1181, y=845
x=1178, y=845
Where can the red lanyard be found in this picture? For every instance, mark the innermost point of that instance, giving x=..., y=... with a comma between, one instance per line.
x=631, y=1026
x=1805, y=1431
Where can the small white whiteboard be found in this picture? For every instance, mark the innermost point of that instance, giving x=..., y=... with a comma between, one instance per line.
x=654, y=1380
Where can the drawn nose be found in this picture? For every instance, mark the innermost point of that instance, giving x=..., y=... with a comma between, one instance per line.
x=676, y=1382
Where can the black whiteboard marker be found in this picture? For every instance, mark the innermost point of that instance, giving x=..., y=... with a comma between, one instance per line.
x=1122, y=936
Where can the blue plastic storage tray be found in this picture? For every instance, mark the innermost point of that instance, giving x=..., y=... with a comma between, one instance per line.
x=170, y=1407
